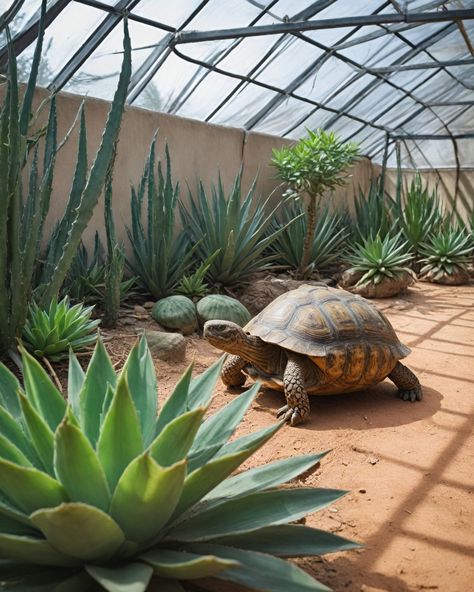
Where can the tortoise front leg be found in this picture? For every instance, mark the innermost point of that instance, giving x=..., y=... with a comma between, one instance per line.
x=297, y=408
x=409, y=387
x=231, y=372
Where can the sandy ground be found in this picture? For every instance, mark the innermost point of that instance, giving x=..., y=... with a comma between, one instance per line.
x=408, y=466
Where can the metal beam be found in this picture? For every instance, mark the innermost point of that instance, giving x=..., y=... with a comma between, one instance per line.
x=26, y=37
x=449, y=103
x=132, y=17
x=465, y=136
x=352, y=21
x=421, y=66
x=91, y=43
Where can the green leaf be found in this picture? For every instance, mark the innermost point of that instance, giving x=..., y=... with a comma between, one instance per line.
x=202, y=387
x=132, y=577
x=31, y=550
x=100, y=373
x=41, y=392
x=141, y=379
x=204, y=479
x=265, y=476
x=80, y=531
x=216, y=430
x=29, y=489
x=78, y=468
x=175, y=405
x=180, y=565
x=9, y=387
x=10, y=452
x=288, y=540
x=75, y=383
x=120, y=439
x=261, y=572
x=254, y=511
x=11, y=428
x=146, y=496
x=177, y=437
x=40, y=434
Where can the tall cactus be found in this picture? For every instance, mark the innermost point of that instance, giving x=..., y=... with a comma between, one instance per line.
x=24, y=206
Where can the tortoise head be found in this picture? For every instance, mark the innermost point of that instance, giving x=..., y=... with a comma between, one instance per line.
x=228, y=336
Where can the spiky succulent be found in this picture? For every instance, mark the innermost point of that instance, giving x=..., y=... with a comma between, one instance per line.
x=378, y=258
x=101, y=493
x=51, y=333
x=447, y=253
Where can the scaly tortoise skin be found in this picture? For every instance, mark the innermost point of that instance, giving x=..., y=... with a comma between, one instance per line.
x=314, y=340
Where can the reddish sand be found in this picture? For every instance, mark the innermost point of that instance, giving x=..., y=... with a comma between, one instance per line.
x=408, y=466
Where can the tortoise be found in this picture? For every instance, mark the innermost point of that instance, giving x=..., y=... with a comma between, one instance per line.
x=314, y=340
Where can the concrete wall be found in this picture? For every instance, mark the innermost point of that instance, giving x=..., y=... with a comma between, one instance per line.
x=198, y=151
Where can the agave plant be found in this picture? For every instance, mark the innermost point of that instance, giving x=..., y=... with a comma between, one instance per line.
x=51, y=333
x=236, y=227
x=86, y=274
x=101, y=493
x=160, y=258
x=379, y=258
x=419, y=215
x=328, y=238
x=193, y=285
x=447, y=253
x=373, y=212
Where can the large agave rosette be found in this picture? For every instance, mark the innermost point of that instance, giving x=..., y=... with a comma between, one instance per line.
x=101, y=493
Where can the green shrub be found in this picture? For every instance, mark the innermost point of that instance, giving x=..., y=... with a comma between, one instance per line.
x=98, y=491
x=328, y=239
x=160, y=258
x=310, y=167
x=379, y=258
x=51, y=333
x=447, y=253
x=24, y=206
x=235, y=227
x=373, y=212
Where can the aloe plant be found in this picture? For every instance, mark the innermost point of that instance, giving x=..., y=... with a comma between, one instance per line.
x=328, y=238
x=100, y=493
x=379, y=258
x=86, y=274
x=160, y=258
x=447, y=253
x=310, y=167
x=239, y=228
x=51, y=333
x=23, y=212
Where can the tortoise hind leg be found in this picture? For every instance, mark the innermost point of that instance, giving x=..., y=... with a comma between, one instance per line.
x=231, y=372
x=297, y=408
x=409, y=388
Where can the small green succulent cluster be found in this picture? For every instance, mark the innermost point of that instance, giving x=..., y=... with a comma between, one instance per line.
x=447, y=253
x=51, y=333
x=101, y=493
x=378, y=258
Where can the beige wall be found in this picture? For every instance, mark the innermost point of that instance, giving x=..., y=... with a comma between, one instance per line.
x=198, y=151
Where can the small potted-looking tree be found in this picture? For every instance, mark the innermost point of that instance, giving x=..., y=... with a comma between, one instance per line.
x=310, y=167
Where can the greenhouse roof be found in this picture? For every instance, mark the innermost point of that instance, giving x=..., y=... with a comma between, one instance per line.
x=383, y=73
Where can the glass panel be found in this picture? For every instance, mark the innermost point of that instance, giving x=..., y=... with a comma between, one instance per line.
x=98, y=76
x=61, y=41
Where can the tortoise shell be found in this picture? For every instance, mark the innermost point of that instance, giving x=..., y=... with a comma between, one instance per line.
x=320, y=321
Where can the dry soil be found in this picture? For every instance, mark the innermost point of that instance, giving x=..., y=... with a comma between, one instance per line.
x=408, y=467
